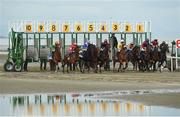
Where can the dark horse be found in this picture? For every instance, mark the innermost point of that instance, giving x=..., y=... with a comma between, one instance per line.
x=145, y=61
x=162, y=56
x=133, y=56
x=103, y=57
x=155, y=56
x=89, y=58
x=71, y=60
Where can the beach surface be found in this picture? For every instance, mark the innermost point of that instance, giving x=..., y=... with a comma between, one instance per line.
x=50, y=82
x=36, y=81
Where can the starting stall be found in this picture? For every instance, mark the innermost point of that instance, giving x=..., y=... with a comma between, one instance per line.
x=35, y=39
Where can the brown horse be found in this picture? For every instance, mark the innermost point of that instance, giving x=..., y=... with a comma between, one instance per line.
x=57, y=56
x=71, y=59
x=121, y=58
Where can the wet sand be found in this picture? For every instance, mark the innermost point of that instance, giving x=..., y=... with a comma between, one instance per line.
x=50, y=82
x=166, y=99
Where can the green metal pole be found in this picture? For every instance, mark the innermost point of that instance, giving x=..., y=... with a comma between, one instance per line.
x=125, y=39
x=47, y=40
x=39, y=43
x=76, y=38
x=72, y=38
x=26, y=43
x=64, y=44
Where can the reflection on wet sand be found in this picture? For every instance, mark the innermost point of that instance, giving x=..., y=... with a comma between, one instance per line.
x=71, y=104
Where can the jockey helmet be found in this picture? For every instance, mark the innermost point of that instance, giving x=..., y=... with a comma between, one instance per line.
x=147, y=40
x=163, y=42
x=74, y=44
x=155, y=39
x=88, y=41
x=131, y=43
x=105, y=40
x=56, y=42
x=122, y=41
x=142, y=49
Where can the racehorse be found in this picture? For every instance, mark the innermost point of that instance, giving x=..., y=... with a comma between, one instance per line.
x=163, y=57
x=71, y=60
x=89, y=58
x=103, y=57
x=133, y=56
x=155, y=56
x=121, y=57
x=57, y=56
x=144, y=61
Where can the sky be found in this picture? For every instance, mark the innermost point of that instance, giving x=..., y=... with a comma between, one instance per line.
x=164, y=15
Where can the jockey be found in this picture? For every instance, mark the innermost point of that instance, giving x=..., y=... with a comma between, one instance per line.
x=57, y=44
x=162, y=44
x=104, y=44
x=121, y=45
x=70, y=50
x=155, y=43
x=131, y=46
x=145, y=44
x=85, y=46
x=74, y=46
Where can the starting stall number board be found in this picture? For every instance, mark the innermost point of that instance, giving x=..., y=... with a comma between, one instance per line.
x=41, y=28
x=103, y=28
x=128, y=28
x=115, y=27
x=53, y=28
x=91, y=28
x=139, y=28
x=78, y=28
x=28, y=28
x=66, y=28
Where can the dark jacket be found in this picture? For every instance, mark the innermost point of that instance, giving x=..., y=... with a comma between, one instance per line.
x=114, y=42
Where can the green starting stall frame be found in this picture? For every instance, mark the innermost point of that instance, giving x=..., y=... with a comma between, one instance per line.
x=32, y=35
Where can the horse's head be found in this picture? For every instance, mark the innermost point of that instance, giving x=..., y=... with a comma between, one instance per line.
x=136, y=51
x=165, y=48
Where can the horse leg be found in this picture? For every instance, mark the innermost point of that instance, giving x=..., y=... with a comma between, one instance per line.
x=154, y=66
x=88, y=66
x=68, y=65
x=114, y=63
x=119, y=66
x=57, y=66
x=126, y=65
x=95, y=67
x=63, y=65
x=100, y=65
